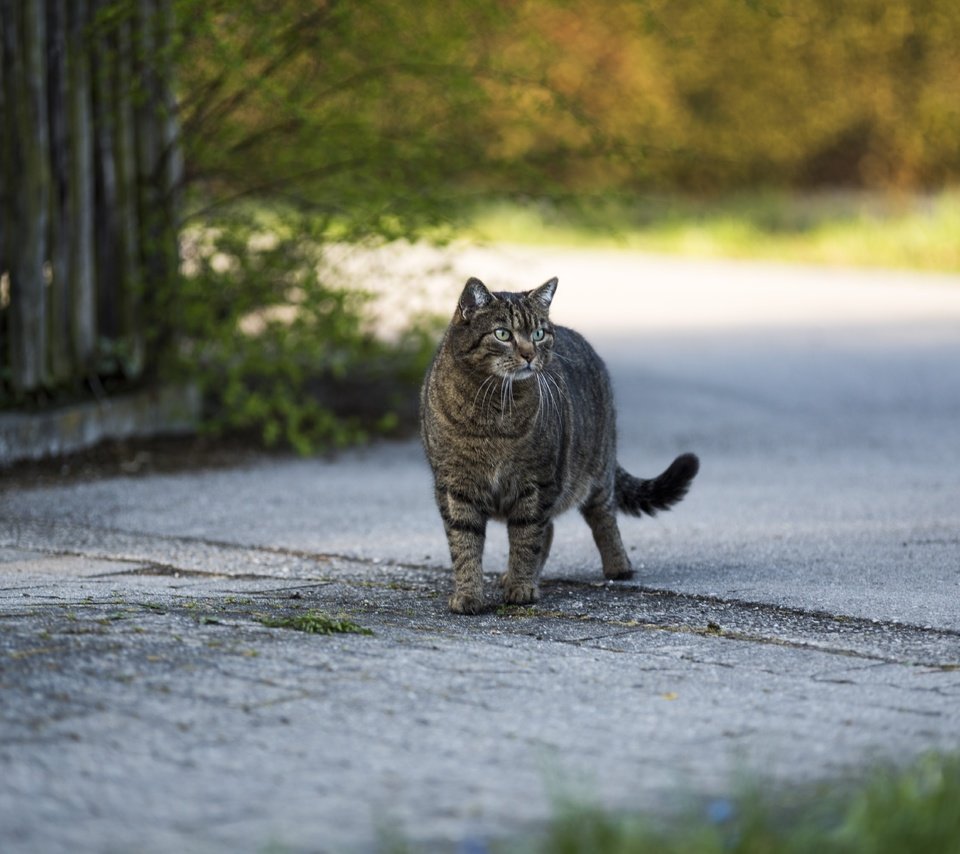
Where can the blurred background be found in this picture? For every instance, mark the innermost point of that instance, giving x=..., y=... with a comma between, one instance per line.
x=223, y=193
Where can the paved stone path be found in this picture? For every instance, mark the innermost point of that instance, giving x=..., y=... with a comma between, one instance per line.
x=795, y=618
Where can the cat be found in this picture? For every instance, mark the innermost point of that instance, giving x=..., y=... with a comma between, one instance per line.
x=518, y=424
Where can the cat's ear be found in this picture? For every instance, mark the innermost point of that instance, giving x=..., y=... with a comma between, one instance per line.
x=475, y=296
x=544, y=294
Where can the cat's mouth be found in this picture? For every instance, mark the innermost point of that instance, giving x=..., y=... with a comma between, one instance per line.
x=523, y=373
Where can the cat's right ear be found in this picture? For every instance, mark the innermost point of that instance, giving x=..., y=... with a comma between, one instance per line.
x=475, y=296
x=544, y=294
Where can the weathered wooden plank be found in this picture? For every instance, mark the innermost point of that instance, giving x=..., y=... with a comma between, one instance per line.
x=81, y=251
x=157, y=156
x=6, y=172
x=148, y=143
x=90, y=177
x=125, y=153
x=24, y=34
x=60, y=293
x=106, y=223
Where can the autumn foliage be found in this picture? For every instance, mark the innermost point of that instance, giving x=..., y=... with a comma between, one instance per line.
x=579, y=95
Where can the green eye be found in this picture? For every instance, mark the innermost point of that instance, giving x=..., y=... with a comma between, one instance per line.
x=538, y=334
x=502, y=334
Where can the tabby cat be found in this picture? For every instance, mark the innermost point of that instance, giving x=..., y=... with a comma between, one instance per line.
x=517, y=420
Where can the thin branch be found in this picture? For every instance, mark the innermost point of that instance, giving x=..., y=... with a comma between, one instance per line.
x=277, y=183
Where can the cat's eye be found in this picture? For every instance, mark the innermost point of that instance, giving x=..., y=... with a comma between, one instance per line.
x=538, y=334
x=501, y=334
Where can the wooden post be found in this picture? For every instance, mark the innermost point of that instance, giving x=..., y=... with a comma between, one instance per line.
x=80, y=159
x=61, y=303
x=6, y=171
x=158, y=156
x=27, y=158
x=125, y=150
x=148, y=147
x=90, y=176
x=106, y=224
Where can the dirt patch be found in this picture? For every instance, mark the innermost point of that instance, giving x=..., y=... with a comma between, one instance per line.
x=135, y=458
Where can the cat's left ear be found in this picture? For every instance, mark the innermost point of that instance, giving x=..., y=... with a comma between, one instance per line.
x=544, y=294
x=475, y=296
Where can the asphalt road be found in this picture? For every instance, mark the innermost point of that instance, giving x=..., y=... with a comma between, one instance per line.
x=797, y=617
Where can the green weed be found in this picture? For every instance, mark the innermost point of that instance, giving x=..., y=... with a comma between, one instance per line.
x=517, y=611
x=895, y=811
x=316, y=622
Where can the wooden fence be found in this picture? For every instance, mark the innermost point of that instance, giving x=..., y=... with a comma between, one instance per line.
x=90, y=175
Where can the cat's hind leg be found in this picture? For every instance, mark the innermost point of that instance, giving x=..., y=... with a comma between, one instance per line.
x=601, y=515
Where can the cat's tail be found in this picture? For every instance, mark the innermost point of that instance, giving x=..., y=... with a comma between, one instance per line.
x=638, y=496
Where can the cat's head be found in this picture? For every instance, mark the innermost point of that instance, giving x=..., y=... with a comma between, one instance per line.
x=503, y=334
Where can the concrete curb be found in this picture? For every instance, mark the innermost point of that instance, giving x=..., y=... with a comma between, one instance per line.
x=152, y=412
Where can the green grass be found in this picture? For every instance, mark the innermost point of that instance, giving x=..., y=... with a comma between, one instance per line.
x=895, y=812
x=316, y=622
x=913, y=232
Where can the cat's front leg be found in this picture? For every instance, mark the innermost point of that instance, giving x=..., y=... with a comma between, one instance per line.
x=466, y=528
x=530, y=540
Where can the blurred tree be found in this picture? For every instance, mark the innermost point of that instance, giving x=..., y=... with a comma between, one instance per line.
x=724, y=94
x=370, y=114
x=382, y=119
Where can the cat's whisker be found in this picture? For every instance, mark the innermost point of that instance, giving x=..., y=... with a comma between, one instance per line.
x=488, y=396
x=489, y=387
x=536, y=417
x=473, y=408
x=553, y=381
x=543, y=400
x=560, y=397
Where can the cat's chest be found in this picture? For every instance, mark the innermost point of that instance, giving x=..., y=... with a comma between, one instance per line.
x=494, y=475
x=502, y=486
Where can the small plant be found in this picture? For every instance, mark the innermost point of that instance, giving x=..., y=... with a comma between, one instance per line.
x=912, y=809
x=316, y=622
x=282, y=353
x=516, y=611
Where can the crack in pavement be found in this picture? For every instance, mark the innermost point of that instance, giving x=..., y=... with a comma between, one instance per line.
x=187, y=673
x=599, y=602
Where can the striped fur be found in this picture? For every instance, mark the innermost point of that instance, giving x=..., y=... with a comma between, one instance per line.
x=520, y=430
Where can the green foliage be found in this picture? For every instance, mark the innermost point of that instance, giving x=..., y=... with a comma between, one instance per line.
x=896, y=811
x=388, y=110
x=277, y=349
x=868, y=229
x=368, y=113
x=912, y=811
x=316, y=622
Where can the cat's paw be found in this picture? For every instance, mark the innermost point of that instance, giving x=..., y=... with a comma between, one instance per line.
x=465, y=603
x=520, y=594
x=616, y=566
